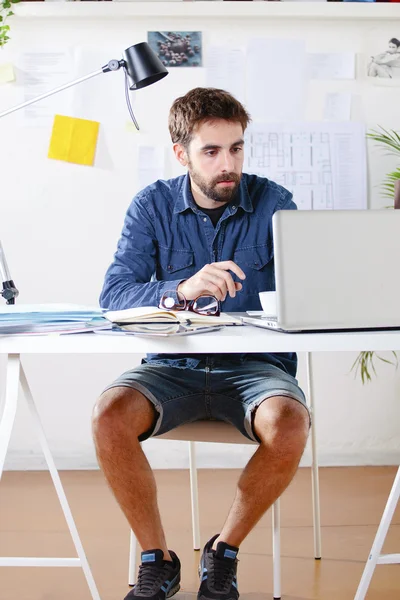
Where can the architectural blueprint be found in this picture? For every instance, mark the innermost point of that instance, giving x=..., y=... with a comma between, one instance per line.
x=322, y=164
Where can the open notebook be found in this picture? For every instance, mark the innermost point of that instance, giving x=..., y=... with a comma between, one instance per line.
x=152, y=314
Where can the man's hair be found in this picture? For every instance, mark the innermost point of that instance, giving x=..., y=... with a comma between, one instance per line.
x=199, y=106
x=394, y=41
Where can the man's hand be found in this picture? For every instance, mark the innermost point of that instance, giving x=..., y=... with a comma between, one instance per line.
x=213, y=279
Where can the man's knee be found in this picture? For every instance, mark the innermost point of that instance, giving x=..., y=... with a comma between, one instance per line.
x=122, y=409
x=282, y=419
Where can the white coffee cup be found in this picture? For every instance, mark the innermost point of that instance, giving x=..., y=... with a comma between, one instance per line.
x=268, y=303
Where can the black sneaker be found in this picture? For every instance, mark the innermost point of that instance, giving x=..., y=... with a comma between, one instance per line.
x=158, y=579
x=217, y=572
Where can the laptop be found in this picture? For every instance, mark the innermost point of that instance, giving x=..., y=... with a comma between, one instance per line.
x=335, y=271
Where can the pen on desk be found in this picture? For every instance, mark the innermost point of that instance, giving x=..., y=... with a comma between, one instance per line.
x=207, y=328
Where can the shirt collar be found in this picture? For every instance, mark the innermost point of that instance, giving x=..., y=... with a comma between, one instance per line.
x=185, y=198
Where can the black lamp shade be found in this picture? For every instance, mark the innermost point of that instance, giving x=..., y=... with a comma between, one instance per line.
x=143, y=66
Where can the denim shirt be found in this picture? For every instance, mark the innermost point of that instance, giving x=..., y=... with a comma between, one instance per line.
x=166, y=239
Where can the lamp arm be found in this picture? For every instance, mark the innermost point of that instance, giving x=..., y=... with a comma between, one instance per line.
x=113, y=65
x=9, y=291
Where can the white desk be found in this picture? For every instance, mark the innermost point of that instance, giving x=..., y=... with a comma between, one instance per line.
x=231, y=339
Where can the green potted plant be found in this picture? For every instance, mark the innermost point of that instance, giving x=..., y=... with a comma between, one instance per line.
x=390, y=140
x=5, y=13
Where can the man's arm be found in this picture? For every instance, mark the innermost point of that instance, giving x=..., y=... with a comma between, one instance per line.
x=385, y=59
x=128, y=282
x=286, y=202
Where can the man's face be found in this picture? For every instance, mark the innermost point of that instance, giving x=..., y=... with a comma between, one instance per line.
x=215, y=159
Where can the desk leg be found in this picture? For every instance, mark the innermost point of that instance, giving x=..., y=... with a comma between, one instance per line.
x=375, y=556
x=10, y=406
x=59, y=488
x=16, y=375
x=314, y=463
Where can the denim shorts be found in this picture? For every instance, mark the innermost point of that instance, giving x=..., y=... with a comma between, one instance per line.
x=212, y=390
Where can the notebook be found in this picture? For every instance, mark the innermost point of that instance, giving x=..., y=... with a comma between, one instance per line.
x=335, y=271
x=151, y=314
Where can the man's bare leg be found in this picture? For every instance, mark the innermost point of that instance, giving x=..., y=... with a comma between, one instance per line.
x=120, y=416
x=282, y=425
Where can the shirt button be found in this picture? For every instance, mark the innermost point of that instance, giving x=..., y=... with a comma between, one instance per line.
x=169, y=267
x=205, y=219
x=233, y=207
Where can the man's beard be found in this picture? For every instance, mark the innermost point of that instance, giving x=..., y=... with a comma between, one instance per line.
x=211, y=188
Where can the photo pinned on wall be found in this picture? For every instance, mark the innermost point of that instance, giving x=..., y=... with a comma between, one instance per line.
x=177, y=48
x=384, y=64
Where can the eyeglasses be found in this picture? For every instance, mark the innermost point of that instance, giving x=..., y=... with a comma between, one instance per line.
x=202, y=305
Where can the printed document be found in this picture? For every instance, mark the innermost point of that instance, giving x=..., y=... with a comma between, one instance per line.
x=322, y=164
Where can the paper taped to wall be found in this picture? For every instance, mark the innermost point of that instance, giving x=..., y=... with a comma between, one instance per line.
x=275, y=79
x=322, y=164
x=74, y=140
x=333, y=65
x=337, y=107
x=7, y=74
x=39, y=72
x=226, y=70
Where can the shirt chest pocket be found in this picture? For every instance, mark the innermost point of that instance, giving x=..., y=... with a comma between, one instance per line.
x=175, y=264
x=258, y=264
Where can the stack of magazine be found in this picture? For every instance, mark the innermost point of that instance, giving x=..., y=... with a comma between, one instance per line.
x=28, y=319
x=45, y=319
x=152, y=321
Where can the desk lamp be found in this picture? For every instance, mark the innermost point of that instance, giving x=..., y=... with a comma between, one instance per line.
x=142, y=67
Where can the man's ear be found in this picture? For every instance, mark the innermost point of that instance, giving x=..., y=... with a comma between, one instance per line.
x=181, y=154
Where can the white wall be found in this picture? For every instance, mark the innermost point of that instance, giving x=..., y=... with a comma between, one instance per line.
x=59, y=224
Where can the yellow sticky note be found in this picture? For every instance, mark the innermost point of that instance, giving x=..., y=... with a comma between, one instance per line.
x=7, y=74
x=130, y=126
x=74, y=140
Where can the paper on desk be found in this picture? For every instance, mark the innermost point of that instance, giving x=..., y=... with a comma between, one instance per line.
x=337, y=107
x=44, y=312
x=275, y=79
x=74, y=140
x=7, y=74
x=226, y=70
x=322, y=164
x=54, y=327
x=162, y=330
x=334, y=65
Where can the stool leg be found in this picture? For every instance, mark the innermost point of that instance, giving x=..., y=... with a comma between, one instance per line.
x=194, y=496
x=132, y=559
x=314, y=462
x=276, y=549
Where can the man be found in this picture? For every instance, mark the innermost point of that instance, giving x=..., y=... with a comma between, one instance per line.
x=386, y=64
x=208, y=232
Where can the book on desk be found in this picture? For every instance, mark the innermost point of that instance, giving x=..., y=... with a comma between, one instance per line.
x=151, y=314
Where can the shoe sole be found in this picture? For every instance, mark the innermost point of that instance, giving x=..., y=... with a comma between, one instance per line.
x=173, y=590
